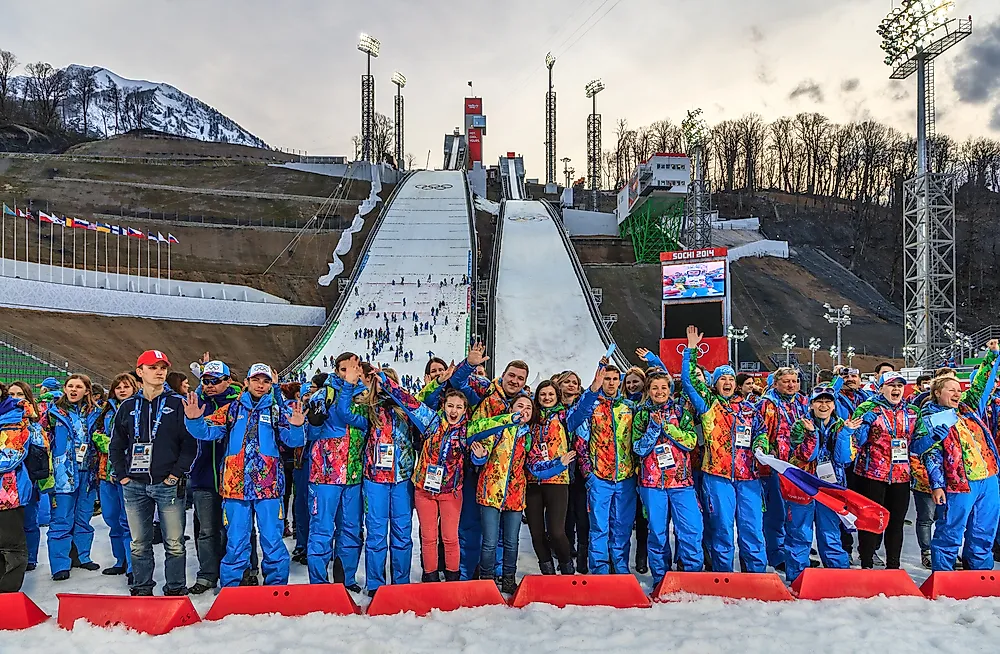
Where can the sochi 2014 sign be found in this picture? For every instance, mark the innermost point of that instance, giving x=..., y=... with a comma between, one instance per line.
x=691, y=255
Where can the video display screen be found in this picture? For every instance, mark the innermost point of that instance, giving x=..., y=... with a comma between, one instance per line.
x=685, y=281
x=708, y=316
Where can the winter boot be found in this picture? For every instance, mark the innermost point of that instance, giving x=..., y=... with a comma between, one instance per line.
x=508, y=585
x=996, y=552
x=452, y=575
x=567, y=568
x=430, y=576
x=925, y=559
x=641, y=564
x=249, y=578
x=546, y=567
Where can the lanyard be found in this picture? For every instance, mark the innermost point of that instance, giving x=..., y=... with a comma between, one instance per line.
x=796, y=411
x=156, y=422
x=78, y=430
x=446, y=439
x=891, y=419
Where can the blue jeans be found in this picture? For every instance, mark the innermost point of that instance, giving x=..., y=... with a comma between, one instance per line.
x=924, y=502
x=300, y=505
x=32, y=534
x=113, y=512
x=389, y=522
x=491, y=519
x=70, y=525
x=210, y=539
x=140, y=501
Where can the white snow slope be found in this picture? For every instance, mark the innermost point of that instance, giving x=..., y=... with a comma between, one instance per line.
x=424, y=236
x=541, y=312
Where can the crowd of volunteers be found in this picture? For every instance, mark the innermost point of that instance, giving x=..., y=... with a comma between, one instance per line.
x=341, y=465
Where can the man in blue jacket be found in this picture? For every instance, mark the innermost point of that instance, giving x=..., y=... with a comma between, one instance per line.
x=253, y=476
x=150, y=452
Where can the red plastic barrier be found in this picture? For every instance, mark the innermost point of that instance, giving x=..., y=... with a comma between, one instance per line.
x=294, y=600
x=618, y=591
x=17, y=611
x=962, y=584
x=766, y=587
x=148, y=615
x=822, y=583
x=421, y=599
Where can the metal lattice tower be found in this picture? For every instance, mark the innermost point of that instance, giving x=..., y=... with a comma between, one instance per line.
x=370, y=46
x=914, y=35
x=594, y=143
x=654, y=227
x=550, y=126
x=400, y=81
x=698, y=208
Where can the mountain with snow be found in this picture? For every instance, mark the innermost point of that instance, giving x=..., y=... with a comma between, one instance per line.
x=117, y=105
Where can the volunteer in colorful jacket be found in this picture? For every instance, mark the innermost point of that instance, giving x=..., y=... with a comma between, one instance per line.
x=606, y=460
x=111, y=493
x=663, y=436
x=507, y=457
x=253, y=476
x=821, y=445
x=23, y=462
x=151, y=451
x=779, y=408
x=882, y=464
x=336, y=435
x=37, y=509
x=68, y=424
x=962, y=462
x=731, y=489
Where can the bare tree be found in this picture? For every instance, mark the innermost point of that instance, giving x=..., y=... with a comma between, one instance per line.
x=8, y=64
x=753, y=134
x=46, y=90
x=84, y=86
x=136, y=104
x=726, y=136
x=383, y=133
x=410, y=161
x=110, y=104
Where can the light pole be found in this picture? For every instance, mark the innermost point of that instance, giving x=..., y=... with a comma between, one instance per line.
x=841, y=318
x=814, y=347
x=594, y=142
x=788, y=342
x=835, y=353
x=567, y=171
x=550, y=125
x=959, y=341
x=737, y=336
x=851, y=352
x=400, y=81
x=370, y=46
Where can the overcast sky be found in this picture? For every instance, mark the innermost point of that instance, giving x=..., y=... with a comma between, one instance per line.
x=289, y=72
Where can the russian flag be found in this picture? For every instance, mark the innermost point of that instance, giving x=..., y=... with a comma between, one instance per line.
x=855, y=510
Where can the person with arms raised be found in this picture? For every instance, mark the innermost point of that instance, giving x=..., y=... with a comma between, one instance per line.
x=151, y=451
x=253, y=476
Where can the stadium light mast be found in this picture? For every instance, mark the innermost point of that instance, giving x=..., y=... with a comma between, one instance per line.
x=787, y=343
x=737, y=336
x=697, y=209
x=400, y=81
x=913, y=36
x=370, y=46
x=550, y=126
x=567, y=171
x=814, y=346
x=841, y=318
x=594, y=142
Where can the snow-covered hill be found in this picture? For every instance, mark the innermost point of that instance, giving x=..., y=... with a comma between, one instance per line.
x=118, y=105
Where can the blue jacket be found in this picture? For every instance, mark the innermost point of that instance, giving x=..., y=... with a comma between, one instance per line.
x=208, y=460
x=68, y=431
x=16, y=436
x=252, y=467
x=848, y=402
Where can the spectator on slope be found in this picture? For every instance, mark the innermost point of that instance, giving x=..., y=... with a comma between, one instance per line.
x=821, y=445
x=547, y=499
x=253, y=479
x=663, y=436
x=777, y=412
x=882, y=464
x=111, y=492
x=23, y=462
x=604, y=446
x=506, y=458
x=731, y=487
x=488, y=399
x=962, y=462
x=67, y=425
x=150, y=452
x=33, y=506
x=336, y=435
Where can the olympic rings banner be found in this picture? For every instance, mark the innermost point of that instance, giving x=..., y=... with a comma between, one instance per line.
x=712, y=352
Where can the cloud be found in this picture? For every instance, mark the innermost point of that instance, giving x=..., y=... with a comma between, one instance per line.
x=756, y=34
x=850, y=85
x=764, y=74
x=809, y=89
x=978, y=73
x=995, y=120
x=898, y=91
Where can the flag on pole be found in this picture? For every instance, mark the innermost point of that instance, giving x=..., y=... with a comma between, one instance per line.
x=135, y=233
x=77, y=223
x=24, y=214
x=172, y=239
x=119, y=231
x=160, y=239
x=92, y=227
x=855, y=510
x=7, y=211
x=44, y=217
x=150, y=237
x=103, y=228
x=56, y=220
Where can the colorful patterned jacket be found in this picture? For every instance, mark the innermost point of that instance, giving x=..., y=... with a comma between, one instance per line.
x=503, y=479
x=675, y=437
x=882, y=424
x=68, y=435
x=17, y=442
x=967, y=450
x=727, y=426
x=208, y=461
x=831, y=441
x=100, y=436
x=386, y=427
x=604, y=437
x=550, y=436
x=485, y=395
x=250, y=431
x=772, y=428
x=336, y=443
x=848, y=400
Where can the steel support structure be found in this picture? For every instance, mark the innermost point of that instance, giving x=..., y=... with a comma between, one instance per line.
x=550, y=134
x=654, y=227
x=398, y=118
x=698, y=208
x=594, y=155
x=367, y=116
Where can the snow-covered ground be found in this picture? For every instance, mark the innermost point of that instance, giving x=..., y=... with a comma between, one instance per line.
x=542, y=314
x=424, y=236
x=700, y=625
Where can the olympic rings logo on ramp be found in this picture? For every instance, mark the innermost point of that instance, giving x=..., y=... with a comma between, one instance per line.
x=526, y=219
x=703, y=348
x=433, y=187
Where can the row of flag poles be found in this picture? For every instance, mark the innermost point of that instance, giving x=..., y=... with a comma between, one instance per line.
x=40, y=218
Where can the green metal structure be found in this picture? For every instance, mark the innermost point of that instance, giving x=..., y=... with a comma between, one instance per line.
x=654, y=226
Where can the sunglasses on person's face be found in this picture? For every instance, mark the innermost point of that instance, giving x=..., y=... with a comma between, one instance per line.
x=213, y=381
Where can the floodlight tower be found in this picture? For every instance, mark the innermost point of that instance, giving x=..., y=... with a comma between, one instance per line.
x=567, y=171
x=841, y=318
x=370, y=46
x=594, y=142
x=399, y=79
x=698, y=208
x=913, y=36
x=550, y=125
